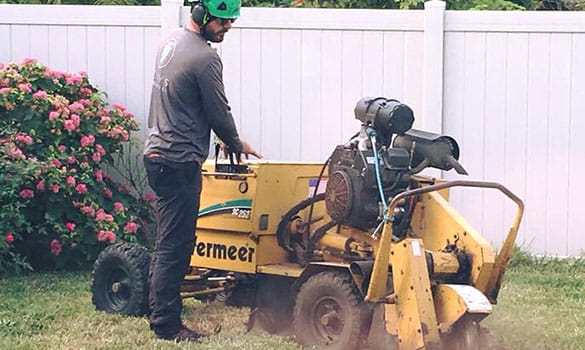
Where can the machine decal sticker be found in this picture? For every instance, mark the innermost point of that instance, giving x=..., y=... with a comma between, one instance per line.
x=240, y=208
x=474, y=299
x=416, y=248
x=313, y=184
x=221, y=251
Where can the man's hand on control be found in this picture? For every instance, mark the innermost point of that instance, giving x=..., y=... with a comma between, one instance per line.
x=247, y=150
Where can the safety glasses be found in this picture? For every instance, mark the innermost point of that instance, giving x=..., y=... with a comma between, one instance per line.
x=224, y=21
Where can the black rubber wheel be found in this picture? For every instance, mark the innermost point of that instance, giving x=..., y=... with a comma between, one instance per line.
x=120, y=280
x=330, y=313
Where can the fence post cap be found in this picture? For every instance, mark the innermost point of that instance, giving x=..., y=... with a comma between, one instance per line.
x=432, y=4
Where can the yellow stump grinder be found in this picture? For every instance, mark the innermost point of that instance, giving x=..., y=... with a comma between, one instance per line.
x=359, y=252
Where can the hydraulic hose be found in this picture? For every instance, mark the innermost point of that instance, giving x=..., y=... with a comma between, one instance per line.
x=372, y=136
x=282, y=232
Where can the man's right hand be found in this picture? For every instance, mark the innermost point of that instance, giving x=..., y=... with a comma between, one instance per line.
x=247, y=150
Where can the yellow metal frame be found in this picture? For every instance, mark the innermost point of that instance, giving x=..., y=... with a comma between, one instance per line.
x=418, y=308
x=414, y=296
x=239, y=215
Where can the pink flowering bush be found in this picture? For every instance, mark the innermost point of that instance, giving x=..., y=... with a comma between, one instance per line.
x=57, y=134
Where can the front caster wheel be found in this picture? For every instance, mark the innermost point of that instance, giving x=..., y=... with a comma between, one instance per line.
x=120, y=280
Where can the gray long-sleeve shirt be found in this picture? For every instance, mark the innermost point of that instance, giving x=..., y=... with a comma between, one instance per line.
x=188, y=100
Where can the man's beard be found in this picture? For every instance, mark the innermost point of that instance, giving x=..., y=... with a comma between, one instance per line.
x=214, y=38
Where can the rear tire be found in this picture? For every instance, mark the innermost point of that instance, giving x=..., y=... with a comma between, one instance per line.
x=120, y=280
x=330, y=313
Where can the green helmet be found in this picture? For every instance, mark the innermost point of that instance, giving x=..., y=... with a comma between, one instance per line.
x=228, y=9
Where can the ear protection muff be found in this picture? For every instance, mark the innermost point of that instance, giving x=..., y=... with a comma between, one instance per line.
x=199, y=13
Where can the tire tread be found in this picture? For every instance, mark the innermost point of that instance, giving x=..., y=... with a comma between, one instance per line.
x=137, y=259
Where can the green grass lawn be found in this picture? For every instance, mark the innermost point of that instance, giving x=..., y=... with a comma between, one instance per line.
x=540, y=307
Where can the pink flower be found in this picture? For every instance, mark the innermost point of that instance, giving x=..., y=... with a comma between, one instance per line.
x=119, y=106
x=41, y=185
x=101, y=215
x=81, y=188
x=82, y=73
x=100, y=149
x=16, y=153
x=71, y=181
x=87, y=140
x=55, y=247
x=54, y=73
x=71, y=159
x=119, y=207
x=4, y=90
x=26, y=193
x=98, y=175
x=56, y=163
x=70, y=226
x=61, y=148
x=149, y=196
x=29, y=60
x=103, y=120
x=131, y=227
x=69, y=125
x=25, y=139
x=128, y=114
x=58, y=104
x=76, y=107
x=9, y=106
x=54, y=188
x=73, y=79
x=110, y=236
x=86, y=91
x=41, y=95
x=75, y=118
x=73, y=245
x=96, y=157
x=25, y=88
x=117, y=131
x=53, y=115
x=87, y=210
x=104, y=235
x=108, y=193
x=9, y=238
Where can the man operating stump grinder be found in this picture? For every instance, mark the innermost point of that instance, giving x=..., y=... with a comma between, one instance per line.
x=188, y=101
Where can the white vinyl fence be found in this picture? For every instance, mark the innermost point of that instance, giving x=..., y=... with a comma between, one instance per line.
x=509, y=86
